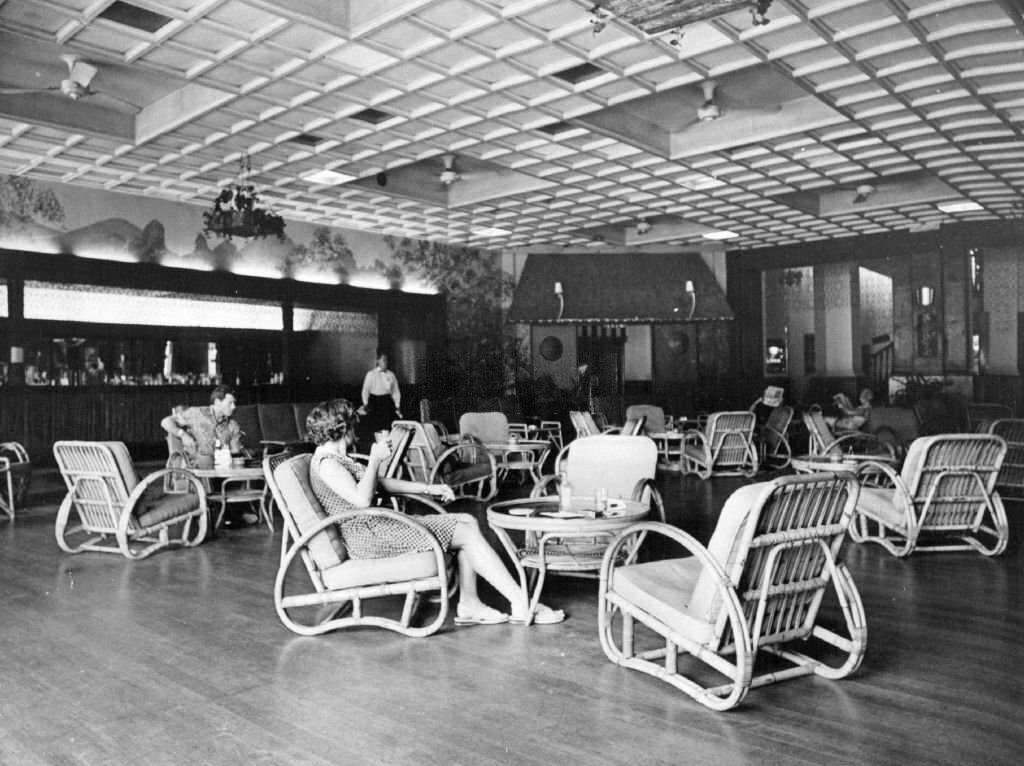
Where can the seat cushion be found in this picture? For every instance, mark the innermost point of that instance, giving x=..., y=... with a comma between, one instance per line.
x=353, y=573
x=664, y=589
x=728, y=546
x=884, y=505
x=277, y=422
x=156, y=507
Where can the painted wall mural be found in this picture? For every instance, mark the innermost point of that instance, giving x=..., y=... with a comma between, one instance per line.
x=92, y=223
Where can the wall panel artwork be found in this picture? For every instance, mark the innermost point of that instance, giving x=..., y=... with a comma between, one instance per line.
x=94, y=223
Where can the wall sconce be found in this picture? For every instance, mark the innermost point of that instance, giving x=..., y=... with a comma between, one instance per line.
x=17, y=354
x=561, y=299
x=692, y=292
x=925, y=296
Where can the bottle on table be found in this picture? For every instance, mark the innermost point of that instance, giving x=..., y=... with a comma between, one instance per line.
x=564, y=492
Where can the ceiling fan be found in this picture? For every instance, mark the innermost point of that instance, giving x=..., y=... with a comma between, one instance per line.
x=75, y=86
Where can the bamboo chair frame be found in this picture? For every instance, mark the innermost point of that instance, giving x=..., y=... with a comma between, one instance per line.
x=725, y=446
x=775, y=451
x=822, y=441
x=17, y=472
x=981, y=415
x=106, y=506
x=768, y=595
x=423, y=464
x=1011, y=474
x=342, y=607
x=946, y=489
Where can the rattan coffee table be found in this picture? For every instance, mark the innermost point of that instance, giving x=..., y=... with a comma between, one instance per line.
x=549, y=541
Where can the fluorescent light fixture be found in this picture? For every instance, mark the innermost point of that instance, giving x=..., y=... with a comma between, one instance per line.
x=328, y=177
x=720, y=234
x=959, y=206
x=489, y=231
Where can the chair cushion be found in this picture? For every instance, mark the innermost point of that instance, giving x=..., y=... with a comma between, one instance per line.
x=485, y=426
x=664, y=590
x=124, y=465
x=695, y=453
x=327, y=548
x=357, y=572
x=156, y=507
x=884, y=505
x=728, y=547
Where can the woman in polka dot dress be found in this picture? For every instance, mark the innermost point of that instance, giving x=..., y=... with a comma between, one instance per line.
x=341, y=484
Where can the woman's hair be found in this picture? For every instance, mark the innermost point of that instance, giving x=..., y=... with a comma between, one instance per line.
x=330, y=421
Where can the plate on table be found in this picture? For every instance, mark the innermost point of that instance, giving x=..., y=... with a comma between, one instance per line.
x=566, y=514
x=521, y=510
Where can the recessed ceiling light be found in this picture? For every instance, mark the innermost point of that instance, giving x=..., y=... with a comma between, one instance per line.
x=328, y=177
x=720, y=234
x=489, y=231
x=959, y=206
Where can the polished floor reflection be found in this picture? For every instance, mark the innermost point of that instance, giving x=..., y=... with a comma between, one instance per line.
x=180, y=658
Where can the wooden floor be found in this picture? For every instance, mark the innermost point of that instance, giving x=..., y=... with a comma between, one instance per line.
x=180, y=659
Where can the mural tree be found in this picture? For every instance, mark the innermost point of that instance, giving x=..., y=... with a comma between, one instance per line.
x=327, y=250
x=23, y=202
x=480, y=351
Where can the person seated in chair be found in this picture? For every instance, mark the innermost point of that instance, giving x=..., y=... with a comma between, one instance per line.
x=852, y=418
x=342, y=484
x=200, y=429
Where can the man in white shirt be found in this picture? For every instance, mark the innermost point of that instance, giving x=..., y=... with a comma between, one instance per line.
x=382, y=400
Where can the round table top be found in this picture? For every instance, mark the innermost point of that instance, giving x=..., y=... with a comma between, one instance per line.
x=230, y=472
x=845, y=462
x=521, y=444
x=541, y=513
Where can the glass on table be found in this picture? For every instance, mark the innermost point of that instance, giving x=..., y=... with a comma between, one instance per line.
x=600, y=499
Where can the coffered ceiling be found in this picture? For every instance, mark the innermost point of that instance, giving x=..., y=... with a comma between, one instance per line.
x=530, y=123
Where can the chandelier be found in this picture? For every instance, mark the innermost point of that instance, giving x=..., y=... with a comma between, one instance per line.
x=236, y=210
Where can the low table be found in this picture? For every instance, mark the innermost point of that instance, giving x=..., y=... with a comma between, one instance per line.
x=237, y=486
x=846, y=462
x=526, y=455
x=571, y=544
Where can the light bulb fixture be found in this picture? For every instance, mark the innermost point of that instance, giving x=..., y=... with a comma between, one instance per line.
x=925, y=296
x=692, y=292
x=642, y=226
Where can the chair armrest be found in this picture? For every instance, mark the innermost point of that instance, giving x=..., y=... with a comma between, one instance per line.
x=634, y=536
x=421, y=500
x=656, y=501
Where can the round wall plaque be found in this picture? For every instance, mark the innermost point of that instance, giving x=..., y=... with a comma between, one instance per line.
x=551, y=348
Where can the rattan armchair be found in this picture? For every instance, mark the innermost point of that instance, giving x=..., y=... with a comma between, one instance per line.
x=119, y=513
x=319, y=588
x=724, y=447
x=821, y=440
x=1011, y=475
x=16, y=470
x=467, y=467
x=772, y=441
x=757, y=587
x=943, y=499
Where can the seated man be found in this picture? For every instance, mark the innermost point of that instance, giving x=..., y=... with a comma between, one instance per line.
x=202, y=429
